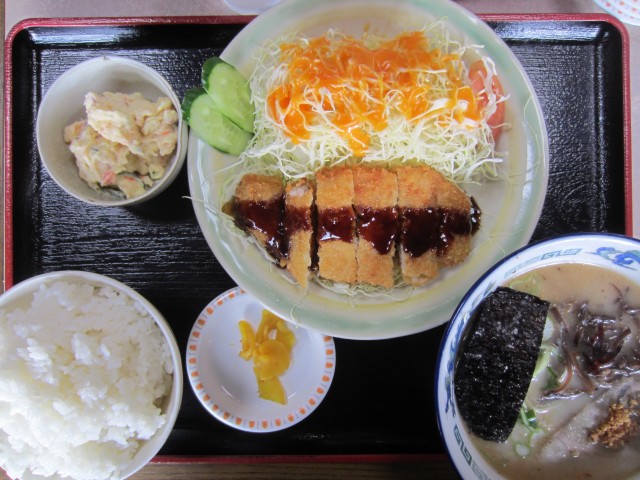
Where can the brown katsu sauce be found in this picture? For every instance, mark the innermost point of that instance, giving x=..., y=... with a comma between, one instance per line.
x=475, y=214
x=378, y=226
x=296, y=219
x=452, y=223
x=433, y=229
x=336, y=224
x=419, y=230
x=265, y=217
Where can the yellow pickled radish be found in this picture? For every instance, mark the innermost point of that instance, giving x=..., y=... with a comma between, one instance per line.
x=273, y=390
x=270, y=348
x=248, y=339
x=284, y=335
x=267, y=325
x=271, y=359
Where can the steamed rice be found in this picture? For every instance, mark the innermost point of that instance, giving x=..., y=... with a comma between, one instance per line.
x=83, y=372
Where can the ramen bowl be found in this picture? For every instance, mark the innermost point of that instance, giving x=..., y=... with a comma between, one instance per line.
x=592, y=264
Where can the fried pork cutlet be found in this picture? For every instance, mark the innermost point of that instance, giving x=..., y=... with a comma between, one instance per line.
x=299, y=229
x=436, y=223
x=419, y=223
x=258, y=207
x=375, y=203
x=356, y=219
x=336, y=232
x=455, y=227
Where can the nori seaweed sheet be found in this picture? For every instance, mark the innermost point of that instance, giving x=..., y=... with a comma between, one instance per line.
x=497, y=360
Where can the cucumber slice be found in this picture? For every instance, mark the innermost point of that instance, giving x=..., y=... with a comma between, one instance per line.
x=206, y=119
x=230, y=91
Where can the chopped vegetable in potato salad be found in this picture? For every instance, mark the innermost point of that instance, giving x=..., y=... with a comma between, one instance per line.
x=125, y=142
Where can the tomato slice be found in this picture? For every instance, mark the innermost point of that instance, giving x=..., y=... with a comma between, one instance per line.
x=477, y=77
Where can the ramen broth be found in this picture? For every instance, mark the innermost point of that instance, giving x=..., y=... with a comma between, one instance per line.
x=595, y=364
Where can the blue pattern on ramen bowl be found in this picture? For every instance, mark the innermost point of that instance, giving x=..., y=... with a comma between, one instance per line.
x=614, y=252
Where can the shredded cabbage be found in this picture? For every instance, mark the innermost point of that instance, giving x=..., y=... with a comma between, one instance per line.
x=460, y=148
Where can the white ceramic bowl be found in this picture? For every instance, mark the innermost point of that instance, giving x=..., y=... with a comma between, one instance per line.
x=20, y=295
x=614, y=252
x=511, y=207
x=63, y=104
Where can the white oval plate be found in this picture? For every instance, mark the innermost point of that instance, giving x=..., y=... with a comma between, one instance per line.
x=511, y=208
x=225, y=383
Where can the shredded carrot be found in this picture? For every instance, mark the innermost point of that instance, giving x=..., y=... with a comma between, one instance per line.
x=356, y=88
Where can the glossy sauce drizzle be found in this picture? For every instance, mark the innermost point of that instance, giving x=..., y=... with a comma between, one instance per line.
x=265, y=217
x=420, y=229
x=296, y=219
x=433, y=229
x=336, y=224
x=379, y=226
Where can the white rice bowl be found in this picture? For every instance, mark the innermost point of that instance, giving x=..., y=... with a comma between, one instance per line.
x=88, y=374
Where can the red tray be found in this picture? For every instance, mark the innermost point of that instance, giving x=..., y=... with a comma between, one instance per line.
x=381, y=403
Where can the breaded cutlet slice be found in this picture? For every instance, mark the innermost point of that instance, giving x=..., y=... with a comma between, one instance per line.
x=375, y=203
x=258, y=207
x=453, y=200
x=299, y=229
x=418, y=234
x=336, y=225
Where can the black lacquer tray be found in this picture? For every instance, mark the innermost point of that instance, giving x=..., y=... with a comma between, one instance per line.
x=381, y=400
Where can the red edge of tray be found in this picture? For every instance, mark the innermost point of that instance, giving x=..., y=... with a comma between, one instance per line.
x=272, y=459
x=136, y=21
x=626, y=89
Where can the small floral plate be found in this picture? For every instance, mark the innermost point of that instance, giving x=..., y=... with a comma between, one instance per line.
x=225, y=383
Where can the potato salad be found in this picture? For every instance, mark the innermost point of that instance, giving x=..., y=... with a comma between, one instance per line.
x=125, y=142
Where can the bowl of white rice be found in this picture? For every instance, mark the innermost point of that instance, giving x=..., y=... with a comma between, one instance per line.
x=90, y=378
